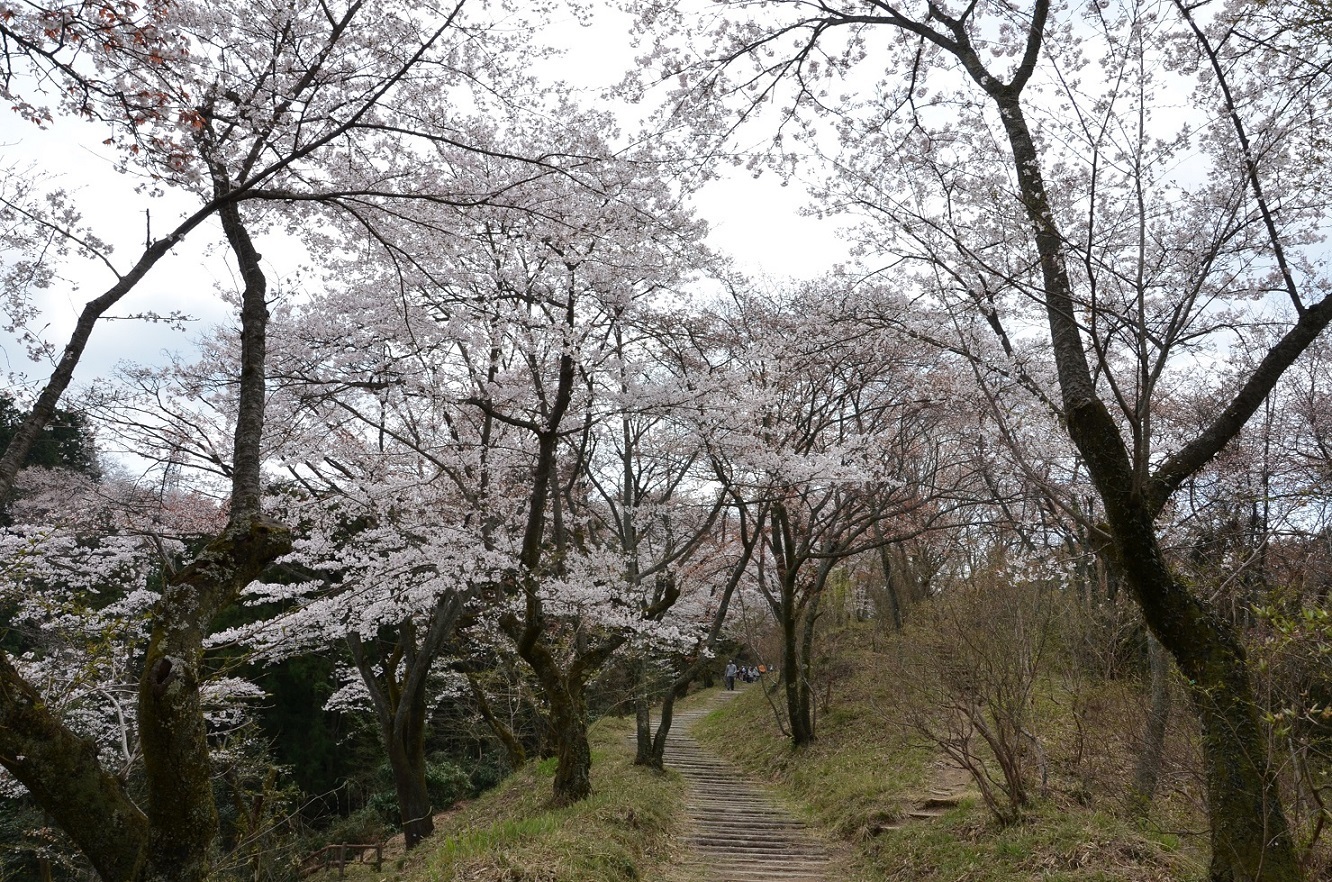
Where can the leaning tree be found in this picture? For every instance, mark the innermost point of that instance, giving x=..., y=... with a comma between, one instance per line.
x=1019, y=155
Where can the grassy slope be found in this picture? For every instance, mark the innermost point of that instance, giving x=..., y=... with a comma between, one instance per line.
x=623, y=832
x=865, y=772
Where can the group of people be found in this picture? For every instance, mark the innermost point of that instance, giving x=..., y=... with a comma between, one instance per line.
x=747, y=673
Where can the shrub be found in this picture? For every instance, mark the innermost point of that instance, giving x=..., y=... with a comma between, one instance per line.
x=966, y=677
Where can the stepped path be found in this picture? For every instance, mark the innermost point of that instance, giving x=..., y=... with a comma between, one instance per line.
x=736, y=832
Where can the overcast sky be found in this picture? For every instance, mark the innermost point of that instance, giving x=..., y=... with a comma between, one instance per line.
x=757, y=222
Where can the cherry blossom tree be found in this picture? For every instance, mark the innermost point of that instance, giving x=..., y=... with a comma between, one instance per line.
x=266, y=103
x=574, y=286
x=247, y=108
x=841, y=448
x=425, y=422
x=1060, y=190
x=391, y=488
x=654, y=503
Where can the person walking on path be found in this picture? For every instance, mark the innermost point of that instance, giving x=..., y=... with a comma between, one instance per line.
x=730, y=675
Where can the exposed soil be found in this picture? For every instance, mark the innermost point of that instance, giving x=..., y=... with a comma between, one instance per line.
x=948, y=786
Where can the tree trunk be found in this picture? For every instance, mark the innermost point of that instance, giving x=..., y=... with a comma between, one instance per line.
x=808, y=707
x=62, y=772
x=182, y=812
x=797, y=703
x=1148, y=769
x=175, y=840
x=658, y=759
x=406, y=755
x=178, y=771
x=573, y=768
x=889, y=580
x=1250, y=838
x=643, y=754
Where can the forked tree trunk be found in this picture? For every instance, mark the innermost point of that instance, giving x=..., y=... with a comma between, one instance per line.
x=401, y=707
x=657, y=759
x=173, y=840
x=563, y=689
x=653, y=752
x=182, y=812
x=1249, y=835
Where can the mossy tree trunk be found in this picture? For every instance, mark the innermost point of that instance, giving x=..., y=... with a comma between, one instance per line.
x=63, y=775
x=181, y=808
x=563, y=688
x=568, y=723
x=173, y=837
x=1249, y=835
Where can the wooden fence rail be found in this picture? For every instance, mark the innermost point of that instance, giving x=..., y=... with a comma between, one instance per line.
x=342, y=854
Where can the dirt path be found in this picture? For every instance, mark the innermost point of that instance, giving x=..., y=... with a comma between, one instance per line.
x=949, y=786
x=737, y=831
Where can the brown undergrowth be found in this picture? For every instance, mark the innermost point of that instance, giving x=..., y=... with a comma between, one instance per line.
x=878, y=777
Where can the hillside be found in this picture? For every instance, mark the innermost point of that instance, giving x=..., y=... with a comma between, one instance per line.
x=623, y=832
x=905, y=814
x=887, y=804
